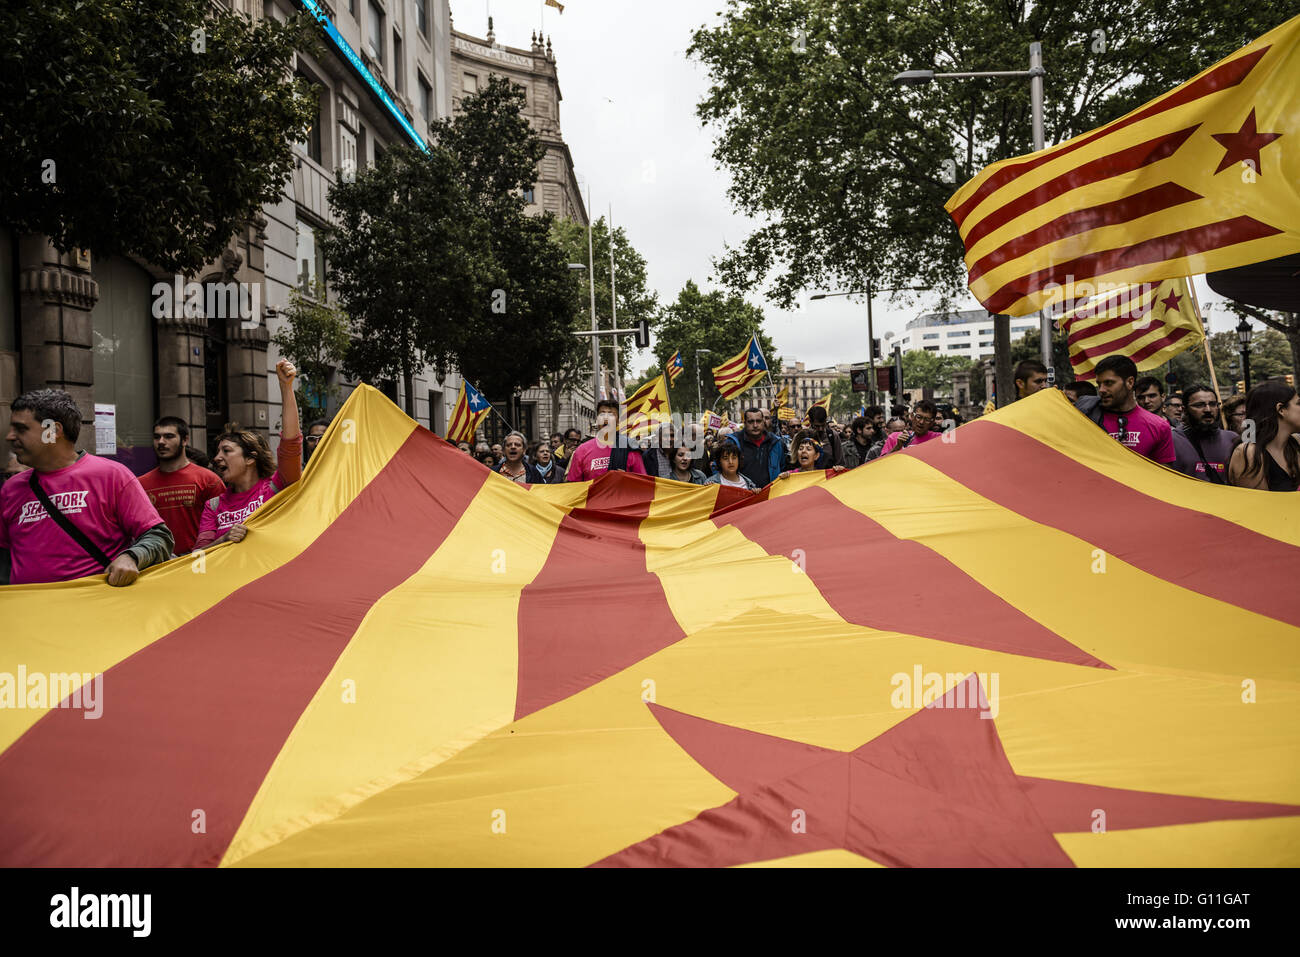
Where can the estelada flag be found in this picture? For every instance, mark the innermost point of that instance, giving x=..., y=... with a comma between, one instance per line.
x=1148, y=322
x=783, y=396
x=674, y=366
x=646, y=409
x=823, y=403
x=786, y=414
x=468, y=412
x=740, y=371
x=1199, y=179
x=388, y=671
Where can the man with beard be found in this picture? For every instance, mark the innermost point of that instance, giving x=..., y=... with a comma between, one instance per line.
x=862, y=439
x=1116, y=410
x=1203, y=449
x=177, y=487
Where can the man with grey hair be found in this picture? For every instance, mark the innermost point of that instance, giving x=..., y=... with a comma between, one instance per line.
x=513, y=464
x=72, y=514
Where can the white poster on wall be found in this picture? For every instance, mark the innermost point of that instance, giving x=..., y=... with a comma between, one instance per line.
x=105, y=429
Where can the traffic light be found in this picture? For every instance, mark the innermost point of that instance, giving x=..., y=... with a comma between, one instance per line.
x=643, y=334
x=875, y=348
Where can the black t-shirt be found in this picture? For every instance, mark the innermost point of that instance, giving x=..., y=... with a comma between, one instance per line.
x=1278, y=479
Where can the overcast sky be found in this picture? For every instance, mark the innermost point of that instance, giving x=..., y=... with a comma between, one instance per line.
x=628, y=115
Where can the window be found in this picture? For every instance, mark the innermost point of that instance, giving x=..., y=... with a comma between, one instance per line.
x=348, y=147
x=931, y=348
x=399, y=65
x=311, y=258
x=960, y=345
x=930, y=335
x=986, y=345
x=953, y=333
x=470, y=85
x=311, y=144
x=375, y=32
x=528, y=196
x=422, y=15
x=1022, y=329
x=352, y=8
x=426, y=98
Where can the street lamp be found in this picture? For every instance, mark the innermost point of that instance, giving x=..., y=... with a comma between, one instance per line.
x=1244, y=332
x=699, y=393
x=1035, y=73
x=870, y=292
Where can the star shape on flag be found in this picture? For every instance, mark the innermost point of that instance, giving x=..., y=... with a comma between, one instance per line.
x=1243, y=145
x=935, y=790
x=476, y=402
x=1171, y=302
x=655, y=404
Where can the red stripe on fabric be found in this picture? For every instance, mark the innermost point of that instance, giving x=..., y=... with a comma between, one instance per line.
x=1104, y=167
x=1180, y=545
x=1066, y=807
x=594, y=608
x=1222, y=77
x=1126, y=209
x=1176, y=245
x=834, y=543
x=732, y=365
x=1151, y=348
x=729, y=498
x=1122, y=298
x=1090, y=328
x=195, y=720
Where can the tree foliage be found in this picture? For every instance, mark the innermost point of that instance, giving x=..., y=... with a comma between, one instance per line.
x=849, y=172
x=410, y=261
x=929, y=370
x=719, y=321
x=154, y=128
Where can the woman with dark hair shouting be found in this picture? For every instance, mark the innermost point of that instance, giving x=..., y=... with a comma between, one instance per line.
x=1271, y=460
x=244, y=462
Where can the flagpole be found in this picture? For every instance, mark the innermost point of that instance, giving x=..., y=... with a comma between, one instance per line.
x=1205, y=344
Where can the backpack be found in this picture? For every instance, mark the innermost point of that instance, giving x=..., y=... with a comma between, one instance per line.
x=618, y=457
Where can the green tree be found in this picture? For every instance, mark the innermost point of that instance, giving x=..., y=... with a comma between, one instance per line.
x=929, y=370
x=844, y=401
x=635, y=302
x=1029, y=346
x=154, y=128
x=1270, y=355
x=315, y=339
x=718, y=321
x=1285, y=324
x=395, y=221
x=849, y=172
x=520, y=325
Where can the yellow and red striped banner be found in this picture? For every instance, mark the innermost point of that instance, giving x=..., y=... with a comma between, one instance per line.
x=1148, y=322
x=741, y=371
x=470, y=410
x=391, y=670
x=1202, y=178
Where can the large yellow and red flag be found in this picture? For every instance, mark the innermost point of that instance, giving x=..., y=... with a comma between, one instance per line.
x=470, y=409
x=1202, y=178
x=646, y=409
x=823, y=403
x=1148, y=322
x=389, y=669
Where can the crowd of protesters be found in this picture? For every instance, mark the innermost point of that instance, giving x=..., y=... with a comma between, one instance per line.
x=65, y=514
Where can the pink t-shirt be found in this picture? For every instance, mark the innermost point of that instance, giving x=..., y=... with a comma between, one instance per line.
x=99, y=496
x=1147, y=434
x=591, y=459
x=920, y=438
x=234, y=508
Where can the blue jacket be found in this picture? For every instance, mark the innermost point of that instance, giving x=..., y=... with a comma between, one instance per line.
x=761, y=464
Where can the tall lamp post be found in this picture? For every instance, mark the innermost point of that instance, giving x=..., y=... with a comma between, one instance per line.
x=699, y=389
x=1035, y=73
x=870, y=292
x=1244, y=332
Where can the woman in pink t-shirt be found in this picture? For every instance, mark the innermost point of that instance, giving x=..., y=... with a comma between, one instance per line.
x=244, y=462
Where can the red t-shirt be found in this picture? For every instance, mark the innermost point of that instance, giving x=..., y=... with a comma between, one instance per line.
x=179, y=498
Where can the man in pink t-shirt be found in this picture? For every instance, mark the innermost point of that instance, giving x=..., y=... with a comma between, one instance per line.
x=99, y=499
x=1117, y=411
x=921, y=420
x=591, y=459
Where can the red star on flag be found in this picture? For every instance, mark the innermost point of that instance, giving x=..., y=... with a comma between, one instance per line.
x=1171, y=301
x=655, y=404
x=1244, y=144
x=935, y=790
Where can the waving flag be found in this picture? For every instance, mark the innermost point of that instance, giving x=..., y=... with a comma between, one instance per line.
x=646, y=409
x=1205, y=177
x=823, y=403
x=674, y=366
x=470, y=409
x=740, y=371
x=388, y=671
x=1148, y=322
x=783, y=396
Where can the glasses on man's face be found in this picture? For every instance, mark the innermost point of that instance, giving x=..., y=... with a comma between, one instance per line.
x=313, y=439
x=1204, y=405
